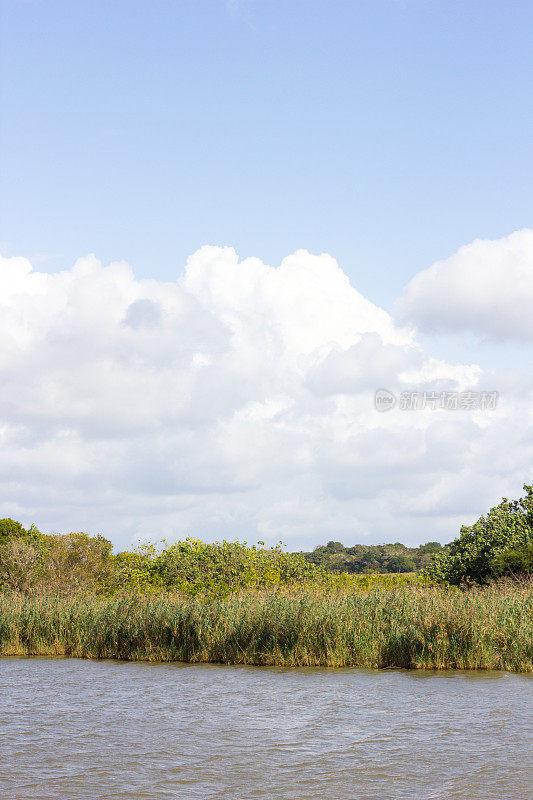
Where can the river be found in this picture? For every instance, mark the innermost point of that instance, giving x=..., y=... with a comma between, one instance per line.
x=74, y=729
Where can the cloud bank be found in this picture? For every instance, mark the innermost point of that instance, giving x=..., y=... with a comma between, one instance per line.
x=485, y=287
x=236, y=401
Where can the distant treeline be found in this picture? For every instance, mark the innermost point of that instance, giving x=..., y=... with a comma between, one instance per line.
x=498, y=544
x=365, y=558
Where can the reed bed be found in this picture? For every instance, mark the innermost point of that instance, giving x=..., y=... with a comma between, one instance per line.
x=409, y=627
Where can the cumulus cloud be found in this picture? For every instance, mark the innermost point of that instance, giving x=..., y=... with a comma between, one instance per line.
x=485, y=287
x=235, y=401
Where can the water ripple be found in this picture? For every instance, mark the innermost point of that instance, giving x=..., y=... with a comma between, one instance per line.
x=83, y=730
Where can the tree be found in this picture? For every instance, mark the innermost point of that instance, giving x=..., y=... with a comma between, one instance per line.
x=77, y=560
x=335, y=547
x=400, y=564
x=21, y=564
x=476, y=553
x=30, y=560
x=515, y=561
x=430, y=547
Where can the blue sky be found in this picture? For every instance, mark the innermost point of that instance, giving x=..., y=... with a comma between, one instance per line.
x=225, y=397
x=385, y=133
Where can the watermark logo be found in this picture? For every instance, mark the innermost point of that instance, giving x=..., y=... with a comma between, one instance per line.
x=384, y=400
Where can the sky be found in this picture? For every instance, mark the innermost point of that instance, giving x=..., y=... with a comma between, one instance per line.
x=224, y=225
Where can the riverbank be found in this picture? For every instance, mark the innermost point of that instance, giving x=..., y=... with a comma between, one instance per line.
x=409, y=627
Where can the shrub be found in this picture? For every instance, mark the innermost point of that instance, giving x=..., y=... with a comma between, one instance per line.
x=10, y=529
x=401, y=564
x=32, y=561
x=515, y=561
x=479, y=552
x=194, y=567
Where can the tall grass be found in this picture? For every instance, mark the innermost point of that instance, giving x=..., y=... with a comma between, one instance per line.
x=411, y=627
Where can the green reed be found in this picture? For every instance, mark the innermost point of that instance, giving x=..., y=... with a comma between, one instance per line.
x=411, y=627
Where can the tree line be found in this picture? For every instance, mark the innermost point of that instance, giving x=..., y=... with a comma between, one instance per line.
x=366, y=558
x=500, y=543
x=33, y=562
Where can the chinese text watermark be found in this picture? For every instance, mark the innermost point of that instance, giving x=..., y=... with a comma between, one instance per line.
x=384, y=400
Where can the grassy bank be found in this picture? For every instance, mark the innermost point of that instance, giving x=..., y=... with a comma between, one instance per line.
x=412, y=627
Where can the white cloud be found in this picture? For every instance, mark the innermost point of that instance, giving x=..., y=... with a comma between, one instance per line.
x=485, y=287
x=236, y=401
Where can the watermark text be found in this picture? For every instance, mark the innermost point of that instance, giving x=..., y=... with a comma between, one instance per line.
x=385, y=400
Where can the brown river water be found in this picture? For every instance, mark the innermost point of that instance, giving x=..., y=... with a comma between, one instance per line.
x=74, y=729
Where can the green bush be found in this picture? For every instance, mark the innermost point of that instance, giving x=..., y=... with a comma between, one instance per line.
x=10, y=529
x=401, y=564
x=34, y=562
x=515, y=561
x=485, y=549
x=193, y=567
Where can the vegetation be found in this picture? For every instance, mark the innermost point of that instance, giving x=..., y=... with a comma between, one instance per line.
x=192, y=567
x=231, y=603
x=409, y=627
x=34, y=563
x=367, y=558
x=500, y=543
x=513, y=561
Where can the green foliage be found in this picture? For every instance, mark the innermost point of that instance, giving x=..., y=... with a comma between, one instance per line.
x=21, y=563
x=193, y=567
x=77, y=562
x=231, y=603
x=136, y=571
x=487, y=548
x=401, y=563
x=334, y=547
x=10, y=529
x=370, y=558
x=515, y=561
x=31, y=561
x=430, y=547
